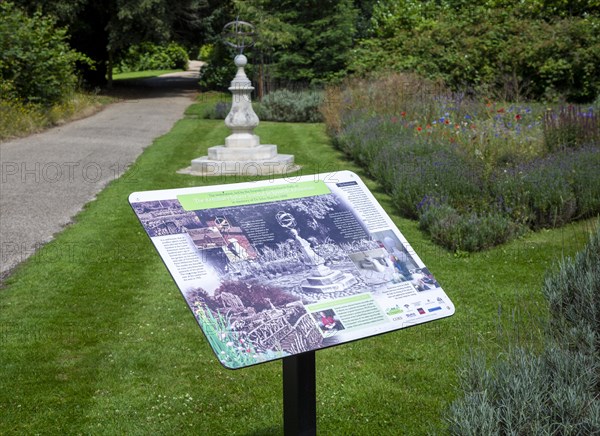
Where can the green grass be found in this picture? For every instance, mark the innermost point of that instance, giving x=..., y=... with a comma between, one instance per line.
x=95, y=338
x=142, y=74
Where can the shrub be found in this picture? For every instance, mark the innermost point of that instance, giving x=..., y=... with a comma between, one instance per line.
x=219, y=70
x=551, y=191
x=17, y=117
x=148, y=56
x=573, y=294
x=510, y=51
x=584, y=175
x=528, y=394
x=222, y=109
x=35, y=57
x=218, y=111
x=178, y=56
x=551, y=392
x=205, y=51
x=467, y=231
x=410, y=167
x=291, y=106
x=283, y=105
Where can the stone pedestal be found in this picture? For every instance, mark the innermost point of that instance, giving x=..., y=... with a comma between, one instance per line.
x=324, y=280
x=242, y=154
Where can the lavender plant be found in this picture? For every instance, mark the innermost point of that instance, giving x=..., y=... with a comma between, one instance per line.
x=554, y=391
x=487, y=165
x=571, y=127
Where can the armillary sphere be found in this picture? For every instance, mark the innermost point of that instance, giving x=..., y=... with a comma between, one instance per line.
x=239, y=35
x=222, y=223
x=285, y=219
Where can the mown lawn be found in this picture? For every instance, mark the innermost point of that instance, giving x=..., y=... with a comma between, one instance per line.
x=96, y=339
x=142, y=74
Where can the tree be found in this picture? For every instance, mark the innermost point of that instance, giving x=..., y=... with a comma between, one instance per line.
x=102, y=28
x=545, y=49
x=307, y=41
x=36, y=63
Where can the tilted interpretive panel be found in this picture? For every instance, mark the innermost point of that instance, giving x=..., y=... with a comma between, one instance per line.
x=280, y=267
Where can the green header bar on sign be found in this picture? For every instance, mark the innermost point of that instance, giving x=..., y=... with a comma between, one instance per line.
x=263, y=194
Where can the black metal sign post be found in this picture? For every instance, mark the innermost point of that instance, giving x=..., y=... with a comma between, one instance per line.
x=299, y=395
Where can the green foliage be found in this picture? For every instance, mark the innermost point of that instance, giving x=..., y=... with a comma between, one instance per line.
x=21, y=119
x=205, y=52
x=543, y=189
x=290, y=106
x=551, y=191
x=283, y=105
x=297, y=42
x=551, y=392
x=525, y=393
x=18, y=118
x=304, y=41
x=466, y=232
x=36, y=63
x=219, y=110
x=499, y=47
x=103, y=30
x=573, y=293
x=584, y=178
x=178, y=55
x=148, y=56
x=220, y=69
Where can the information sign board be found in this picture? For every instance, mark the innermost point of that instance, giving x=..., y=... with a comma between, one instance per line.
x=281, y=267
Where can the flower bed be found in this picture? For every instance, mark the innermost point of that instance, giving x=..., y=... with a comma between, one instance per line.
x=474, y=172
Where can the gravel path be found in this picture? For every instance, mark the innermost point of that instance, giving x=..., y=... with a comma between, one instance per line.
x=47, y=178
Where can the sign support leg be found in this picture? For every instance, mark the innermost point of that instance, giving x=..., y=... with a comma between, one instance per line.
x=299, y=395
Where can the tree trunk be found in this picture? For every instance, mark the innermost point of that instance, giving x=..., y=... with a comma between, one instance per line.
x=109, y=72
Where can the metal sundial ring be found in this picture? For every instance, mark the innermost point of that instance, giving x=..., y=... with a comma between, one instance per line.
x=285, y=220
x=239, y=35
x=222, y=223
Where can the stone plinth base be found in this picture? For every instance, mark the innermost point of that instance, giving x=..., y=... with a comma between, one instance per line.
x=325, y=280
x=207, y=166
x=241, y=154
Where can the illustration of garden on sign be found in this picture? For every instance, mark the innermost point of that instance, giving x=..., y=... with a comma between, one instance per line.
x=275, y=266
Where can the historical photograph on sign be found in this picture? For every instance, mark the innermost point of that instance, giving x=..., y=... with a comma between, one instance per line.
x=294, y=253
x=299, y=247
x=328, y=321
x=165, y=217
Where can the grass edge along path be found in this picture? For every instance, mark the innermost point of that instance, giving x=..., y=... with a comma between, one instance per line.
x=147, y=74
x=95, y=337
